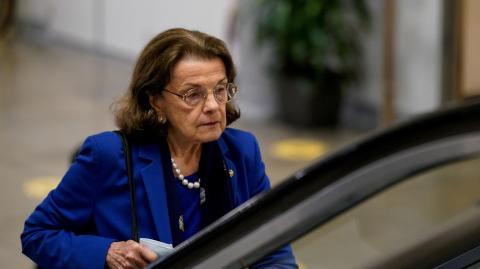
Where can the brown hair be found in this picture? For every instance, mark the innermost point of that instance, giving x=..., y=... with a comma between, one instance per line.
x=133, y=113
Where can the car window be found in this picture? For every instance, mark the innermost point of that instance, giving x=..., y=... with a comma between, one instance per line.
x=393, y=219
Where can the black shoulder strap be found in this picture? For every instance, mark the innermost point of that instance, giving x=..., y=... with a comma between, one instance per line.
x=131, y=186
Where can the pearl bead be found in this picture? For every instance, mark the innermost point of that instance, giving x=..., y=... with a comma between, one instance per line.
x=182, y=178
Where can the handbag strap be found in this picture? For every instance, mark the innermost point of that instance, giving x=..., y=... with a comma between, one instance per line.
x=131, y=185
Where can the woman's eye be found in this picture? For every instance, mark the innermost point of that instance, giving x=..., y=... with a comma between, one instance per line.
x=221, y=89
x=193, y=94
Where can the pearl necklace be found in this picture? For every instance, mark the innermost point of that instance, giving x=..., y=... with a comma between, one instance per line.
x=183, y=180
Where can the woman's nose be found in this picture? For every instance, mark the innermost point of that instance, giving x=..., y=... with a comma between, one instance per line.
x=210, y=102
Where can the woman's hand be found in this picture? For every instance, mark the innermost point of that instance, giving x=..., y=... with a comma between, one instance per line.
x=129, y=255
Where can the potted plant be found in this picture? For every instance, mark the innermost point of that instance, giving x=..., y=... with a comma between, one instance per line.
x=316, y=53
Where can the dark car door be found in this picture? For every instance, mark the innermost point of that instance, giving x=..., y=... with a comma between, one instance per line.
x=383, y=202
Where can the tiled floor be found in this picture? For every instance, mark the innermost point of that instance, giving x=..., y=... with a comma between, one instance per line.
x=52, y=97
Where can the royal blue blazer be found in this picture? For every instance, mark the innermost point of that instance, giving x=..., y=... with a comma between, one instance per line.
x=75, y=224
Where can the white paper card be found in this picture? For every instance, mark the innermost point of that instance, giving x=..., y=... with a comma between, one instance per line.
x=162, y=249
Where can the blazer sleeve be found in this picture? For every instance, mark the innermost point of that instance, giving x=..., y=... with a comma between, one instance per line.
x=261, y=182
x=59, y=232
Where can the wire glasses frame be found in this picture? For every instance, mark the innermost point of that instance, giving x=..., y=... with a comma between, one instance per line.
x=223, y=93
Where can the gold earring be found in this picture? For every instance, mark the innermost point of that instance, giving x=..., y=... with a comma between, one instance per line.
x=162, y=118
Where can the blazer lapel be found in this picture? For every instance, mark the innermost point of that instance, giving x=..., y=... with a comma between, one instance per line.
x=231, y=169
x=153, y=179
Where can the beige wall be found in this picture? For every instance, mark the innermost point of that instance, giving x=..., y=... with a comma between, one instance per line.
x=471, y=48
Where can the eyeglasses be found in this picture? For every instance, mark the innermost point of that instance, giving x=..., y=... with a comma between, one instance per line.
x=223, y=94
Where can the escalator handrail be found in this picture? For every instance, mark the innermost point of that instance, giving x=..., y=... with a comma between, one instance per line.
x=322, y=175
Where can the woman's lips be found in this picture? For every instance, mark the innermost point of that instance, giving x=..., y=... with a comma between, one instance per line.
x=211, y=123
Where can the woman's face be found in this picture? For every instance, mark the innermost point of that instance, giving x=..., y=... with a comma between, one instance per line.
x=204, y=122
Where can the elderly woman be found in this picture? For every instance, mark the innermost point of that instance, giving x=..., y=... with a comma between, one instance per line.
x=188, y=169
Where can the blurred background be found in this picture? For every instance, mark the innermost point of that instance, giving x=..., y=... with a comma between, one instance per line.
x=313, y=76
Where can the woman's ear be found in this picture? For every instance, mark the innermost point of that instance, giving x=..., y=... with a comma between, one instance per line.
x=155, y=102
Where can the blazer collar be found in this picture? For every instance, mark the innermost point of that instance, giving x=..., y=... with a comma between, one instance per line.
x=150, y=152
x=153, y=179
x=223, y=145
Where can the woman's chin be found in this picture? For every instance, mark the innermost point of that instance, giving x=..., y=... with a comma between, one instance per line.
x=211, y=135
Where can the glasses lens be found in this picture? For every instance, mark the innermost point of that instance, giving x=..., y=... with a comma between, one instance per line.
x=194, y=96
x=221, y=93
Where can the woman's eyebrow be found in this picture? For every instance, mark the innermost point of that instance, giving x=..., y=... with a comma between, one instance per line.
x=193, y=84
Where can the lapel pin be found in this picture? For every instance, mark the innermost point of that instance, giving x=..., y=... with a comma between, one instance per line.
x=181, y=225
